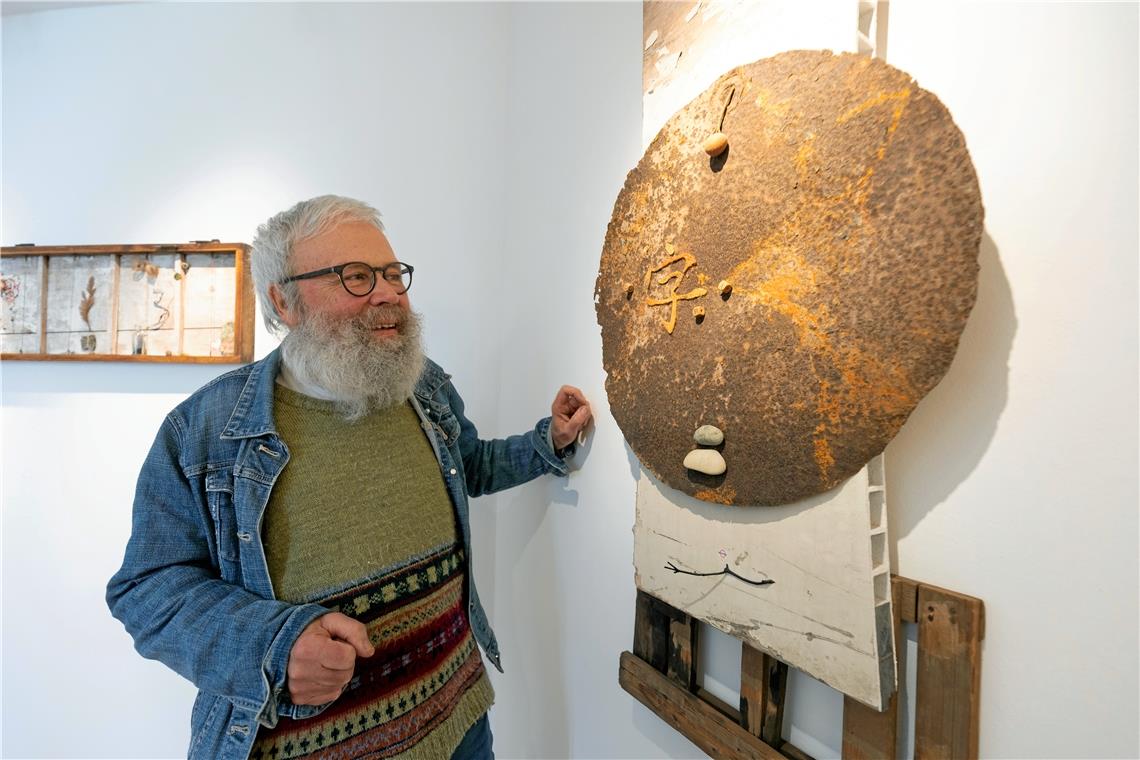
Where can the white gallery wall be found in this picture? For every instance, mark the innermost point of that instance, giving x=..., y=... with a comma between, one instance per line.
x=172, y=122
x=494, y=139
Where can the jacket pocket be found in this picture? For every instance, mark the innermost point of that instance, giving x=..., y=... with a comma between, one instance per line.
x=220, y=495
x=444, y=421
x=448, y=427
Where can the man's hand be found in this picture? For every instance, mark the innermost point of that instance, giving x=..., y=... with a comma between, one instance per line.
x=323, y=658
x=570, y=413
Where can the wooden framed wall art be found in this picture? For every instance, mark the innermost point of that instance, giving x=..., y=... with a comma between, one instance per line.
x=189, y=302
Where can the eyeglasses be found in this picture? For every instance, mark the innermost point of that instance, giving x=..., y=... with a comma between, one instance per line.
x=359, y=278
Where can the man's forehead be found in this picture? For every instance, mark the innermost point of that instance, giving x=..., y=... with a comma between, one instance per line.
x=347, y=241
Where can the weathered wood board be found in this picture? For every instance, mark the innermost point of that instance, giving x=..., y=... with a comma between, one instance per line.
x=716, y=731
x=828, y=609
x=947, y=700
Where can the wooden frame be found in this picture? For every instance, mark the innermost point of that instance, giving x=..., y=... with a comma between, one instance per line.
x=660, y=673
x=136, y=303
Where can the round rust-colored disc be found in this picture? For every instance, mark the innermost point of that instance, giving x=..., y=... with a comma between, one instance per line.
x=845, y=215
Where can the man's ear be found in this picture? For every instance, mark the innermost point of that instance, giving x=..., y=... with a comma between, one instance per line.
x=289, y=316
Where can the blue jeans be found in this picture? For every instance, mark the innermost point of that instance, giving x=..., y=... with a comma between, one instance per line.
x=476, y=744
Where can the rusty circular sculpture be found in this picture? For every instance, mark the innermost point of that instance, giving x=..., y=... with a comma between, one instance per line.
x=832, y=249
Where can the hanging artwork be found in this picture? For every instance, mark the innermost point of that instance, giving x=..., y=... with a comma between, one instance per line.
x=189, y=303
x=792, y=262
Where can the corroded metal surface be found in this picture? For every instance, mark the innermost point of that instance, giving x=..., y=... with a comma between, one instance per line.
x=845, y=214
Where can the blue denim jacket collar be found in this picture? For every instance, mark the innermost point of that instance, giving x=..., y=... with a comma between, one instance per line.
x=253, y=412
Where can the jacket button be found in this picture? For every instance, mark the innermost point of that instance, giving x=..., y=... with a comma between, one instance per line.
x=452, y=470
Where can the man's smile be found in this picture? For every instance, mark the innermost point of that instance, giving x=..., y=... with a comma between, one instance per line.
x=385, y=330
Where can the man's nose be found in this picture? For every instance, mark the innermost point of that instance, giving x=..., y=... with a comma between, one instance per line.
x=384, y=292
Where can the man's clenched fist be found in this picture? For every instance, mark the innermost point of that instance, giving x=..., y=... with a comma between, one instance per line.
x=323, y=658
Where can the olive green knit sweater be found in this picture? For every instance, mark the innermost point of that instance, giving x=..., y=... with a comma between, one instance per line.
x=359, y=520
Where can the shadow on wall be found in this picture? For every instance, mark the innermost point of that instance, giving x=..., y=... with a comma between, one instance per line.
x=37, y=377
x=671, y=743
x=951, y=429
x=528, y=622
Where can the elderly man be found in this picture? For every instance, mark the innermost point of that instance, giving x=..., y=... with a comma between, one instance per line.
x=300, y=547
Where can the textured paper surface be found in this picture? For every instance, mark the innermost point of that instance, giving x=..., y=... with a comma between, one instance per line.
x=846, y=217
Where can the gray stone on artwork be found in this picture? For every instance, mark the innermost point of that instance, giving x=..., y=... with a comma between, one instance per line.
x=708, y=435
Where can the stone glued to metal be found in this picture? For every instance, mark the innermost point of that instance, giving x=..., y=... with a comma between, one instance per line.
x=832, y=247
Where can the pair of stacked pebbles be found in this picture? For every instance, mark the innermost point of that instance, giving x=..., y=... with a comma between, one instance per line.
x=708, y=461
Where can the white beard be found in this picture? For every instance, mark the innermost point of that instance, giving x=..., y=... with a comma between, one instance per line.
x=344, y=359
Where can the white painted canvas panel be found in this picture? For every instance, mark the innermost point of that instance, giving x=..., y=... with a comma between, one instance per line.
x=80, y=293
x=210, y=282
x=827, y=609
x=150, y=313
x=20, y=291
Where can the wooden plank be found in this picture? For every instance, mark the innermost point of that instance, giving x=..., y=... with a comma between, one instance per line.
x=951, y=627
x=752, y=689
x=868, y=733
x=776, y=683
x=791, y=751
x=715, y=733
x=246, y=300
x=947, y=698
x=113, y=330
x=763, y=688
x=906, y=599
x=179, y=267
x=121, y=358
x=43, y=308
x=682, y=651
x=651, y=631
x=718, y=704
x=642, y=627
x=659, y=636
x=87, y=250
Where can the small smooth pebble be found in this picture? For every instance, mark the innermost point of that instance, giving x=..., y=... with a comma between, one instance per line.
x=708, y=461
x=715, y=144
x=708, y=435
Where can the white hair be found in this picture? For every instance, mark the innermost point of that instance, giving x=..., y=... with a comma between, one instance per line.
x=273, y=245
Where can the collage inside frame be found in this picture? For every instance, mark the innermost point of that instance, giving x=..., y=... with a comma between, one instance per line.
x=173, y=304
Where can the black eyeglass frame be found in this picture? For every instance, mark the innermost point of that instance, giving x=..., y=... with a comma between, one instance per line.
x=338, y=270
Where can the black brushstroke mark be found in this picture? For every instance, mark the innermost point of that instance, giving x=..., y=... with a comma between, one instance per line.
x=726, y=571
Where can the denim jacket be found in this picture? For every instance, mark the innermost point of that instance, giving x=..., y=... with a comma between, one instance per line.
x=194, y=590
